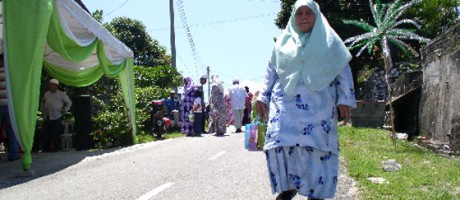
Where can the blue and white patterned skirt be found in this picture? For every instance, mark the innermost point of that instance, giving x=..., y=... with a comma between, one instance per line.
x=312, y=172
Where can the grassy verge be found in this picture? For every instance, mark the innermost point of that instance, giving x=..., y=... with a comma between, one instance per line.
x=143, y=138
x=424, y=174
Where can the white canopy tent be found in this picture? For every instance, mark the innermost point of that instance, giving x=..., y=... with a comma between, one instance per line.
x=72, y=47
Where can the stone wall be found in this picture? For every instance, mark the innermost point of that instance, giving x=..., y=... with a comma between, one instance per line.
x=375, y=87
x=439, y=112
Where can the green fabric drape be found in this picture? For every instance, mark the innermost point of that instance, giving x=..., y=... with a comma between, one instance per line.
x=66, y=47
x=77, y=78
x=109, y=68
x=26, y=25
x=29, y=25
x=127, y=84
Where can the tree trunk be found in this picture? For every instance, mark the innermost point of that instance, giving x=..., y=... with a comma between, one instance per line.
x=388, y=65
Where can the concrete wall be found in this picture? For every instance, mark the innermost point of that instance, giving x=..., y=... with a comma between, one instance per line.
x=439, y=112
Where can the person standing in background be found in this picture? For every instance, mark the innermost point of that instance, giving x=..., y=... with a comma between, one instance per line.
x=253, y=103
x=187, y=103
x=198, y=114
x=248, y=107
x=173, y=106
x=53, y=105
x=237, y=96
x=5, y=116
x=228, y=108
x=218, y=111
x=203, y=81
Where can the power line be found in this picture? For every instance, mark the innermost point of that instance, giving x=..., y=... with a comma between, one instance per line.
x=186, y=69
x=120, y=6
x=196, y=56
x=219, y=22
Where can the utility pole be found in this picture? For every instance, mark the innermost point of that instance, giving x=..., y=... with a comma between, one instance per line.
x=173, y=34
x=209, y=82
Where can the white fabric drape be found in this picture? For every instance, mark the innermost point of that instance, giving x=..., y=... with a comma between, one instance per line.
x=84, y=29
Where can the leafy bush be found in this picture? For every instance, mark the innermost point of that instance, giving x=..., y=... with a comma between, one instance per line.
x=111, y=123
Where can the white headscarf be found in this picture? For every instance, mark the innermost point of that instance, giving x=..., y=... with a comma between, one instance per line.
x=216, y=81
x=324, y=53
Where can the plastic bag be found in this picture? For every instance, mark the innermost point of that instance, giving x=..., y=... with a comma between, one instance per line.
x=261, y=132
x=250, y=137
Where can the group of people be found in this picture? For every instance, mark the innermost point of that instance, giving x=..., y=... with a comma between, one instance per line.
x=221, y=111
x=308, y=85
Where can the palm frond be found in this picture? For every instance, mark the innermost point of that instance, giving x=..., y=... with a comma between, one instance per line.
x=375, y=10
x=399, y=31
x=390, y=12
x=411, y=36
x=355, y=39
x=406, y=21
x=402, y=10
x=407, y=49
x=362, y=49
x=378, y=5
x=372, y=43
x=360, y=44
x=364, y=25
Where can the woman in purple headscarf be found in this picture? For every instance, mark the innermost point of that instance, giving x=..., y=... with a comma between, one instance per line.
x=187, y=102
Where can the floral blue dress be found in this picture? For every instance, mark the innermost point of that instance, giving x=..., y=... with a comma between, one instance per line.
x=302, y=144
x=187, y=104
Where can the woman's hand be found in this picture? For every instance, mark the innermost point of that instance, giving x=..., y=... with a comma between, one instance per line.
x=344, y=113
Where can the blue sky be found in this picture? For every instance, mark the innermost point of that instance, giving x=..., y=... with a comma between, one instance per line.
x=233, y=37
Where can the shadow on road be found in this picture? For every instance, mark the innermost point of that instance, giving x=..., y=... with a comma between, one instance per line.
x=43, y=164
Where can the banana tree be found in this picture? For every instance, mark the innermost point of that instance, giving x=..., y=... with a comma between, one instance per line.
x=387, y=29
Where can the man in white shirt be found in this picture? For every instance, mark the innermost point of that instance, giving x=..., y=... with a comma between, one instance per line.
x=237, y=95
x=53, y=105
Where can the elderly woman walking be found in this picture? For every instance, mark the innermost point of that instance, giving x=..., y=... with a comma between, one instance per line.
x=218, y=113
x=307, y=79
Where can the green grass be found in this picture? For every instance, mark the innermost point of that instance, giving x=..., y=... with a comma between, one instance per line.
x=424, y=174
x=143, y=138
x=174, y=134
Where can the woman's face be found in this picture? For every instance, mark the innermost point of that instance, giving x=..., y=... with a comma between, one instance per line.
x=305, y=19
x=185, y=81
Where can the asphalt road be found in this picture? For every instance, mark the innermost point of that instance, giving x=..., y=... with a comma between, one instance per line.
x=206, y=167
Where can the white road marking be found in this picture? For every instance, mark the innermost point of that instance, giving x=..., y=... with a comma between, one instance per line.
x=155, y=191
x=217, y=155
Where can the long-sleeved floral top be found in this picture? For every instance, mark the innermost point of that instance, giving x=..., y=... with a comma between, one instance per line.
x=309, y=118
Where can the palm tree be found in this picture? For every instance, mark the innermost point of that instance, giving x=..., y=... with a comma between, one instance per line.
x=386, y=19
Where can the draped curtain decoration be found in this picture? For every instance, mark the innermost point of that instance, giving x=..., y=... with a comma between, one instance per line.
x=72, y=47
